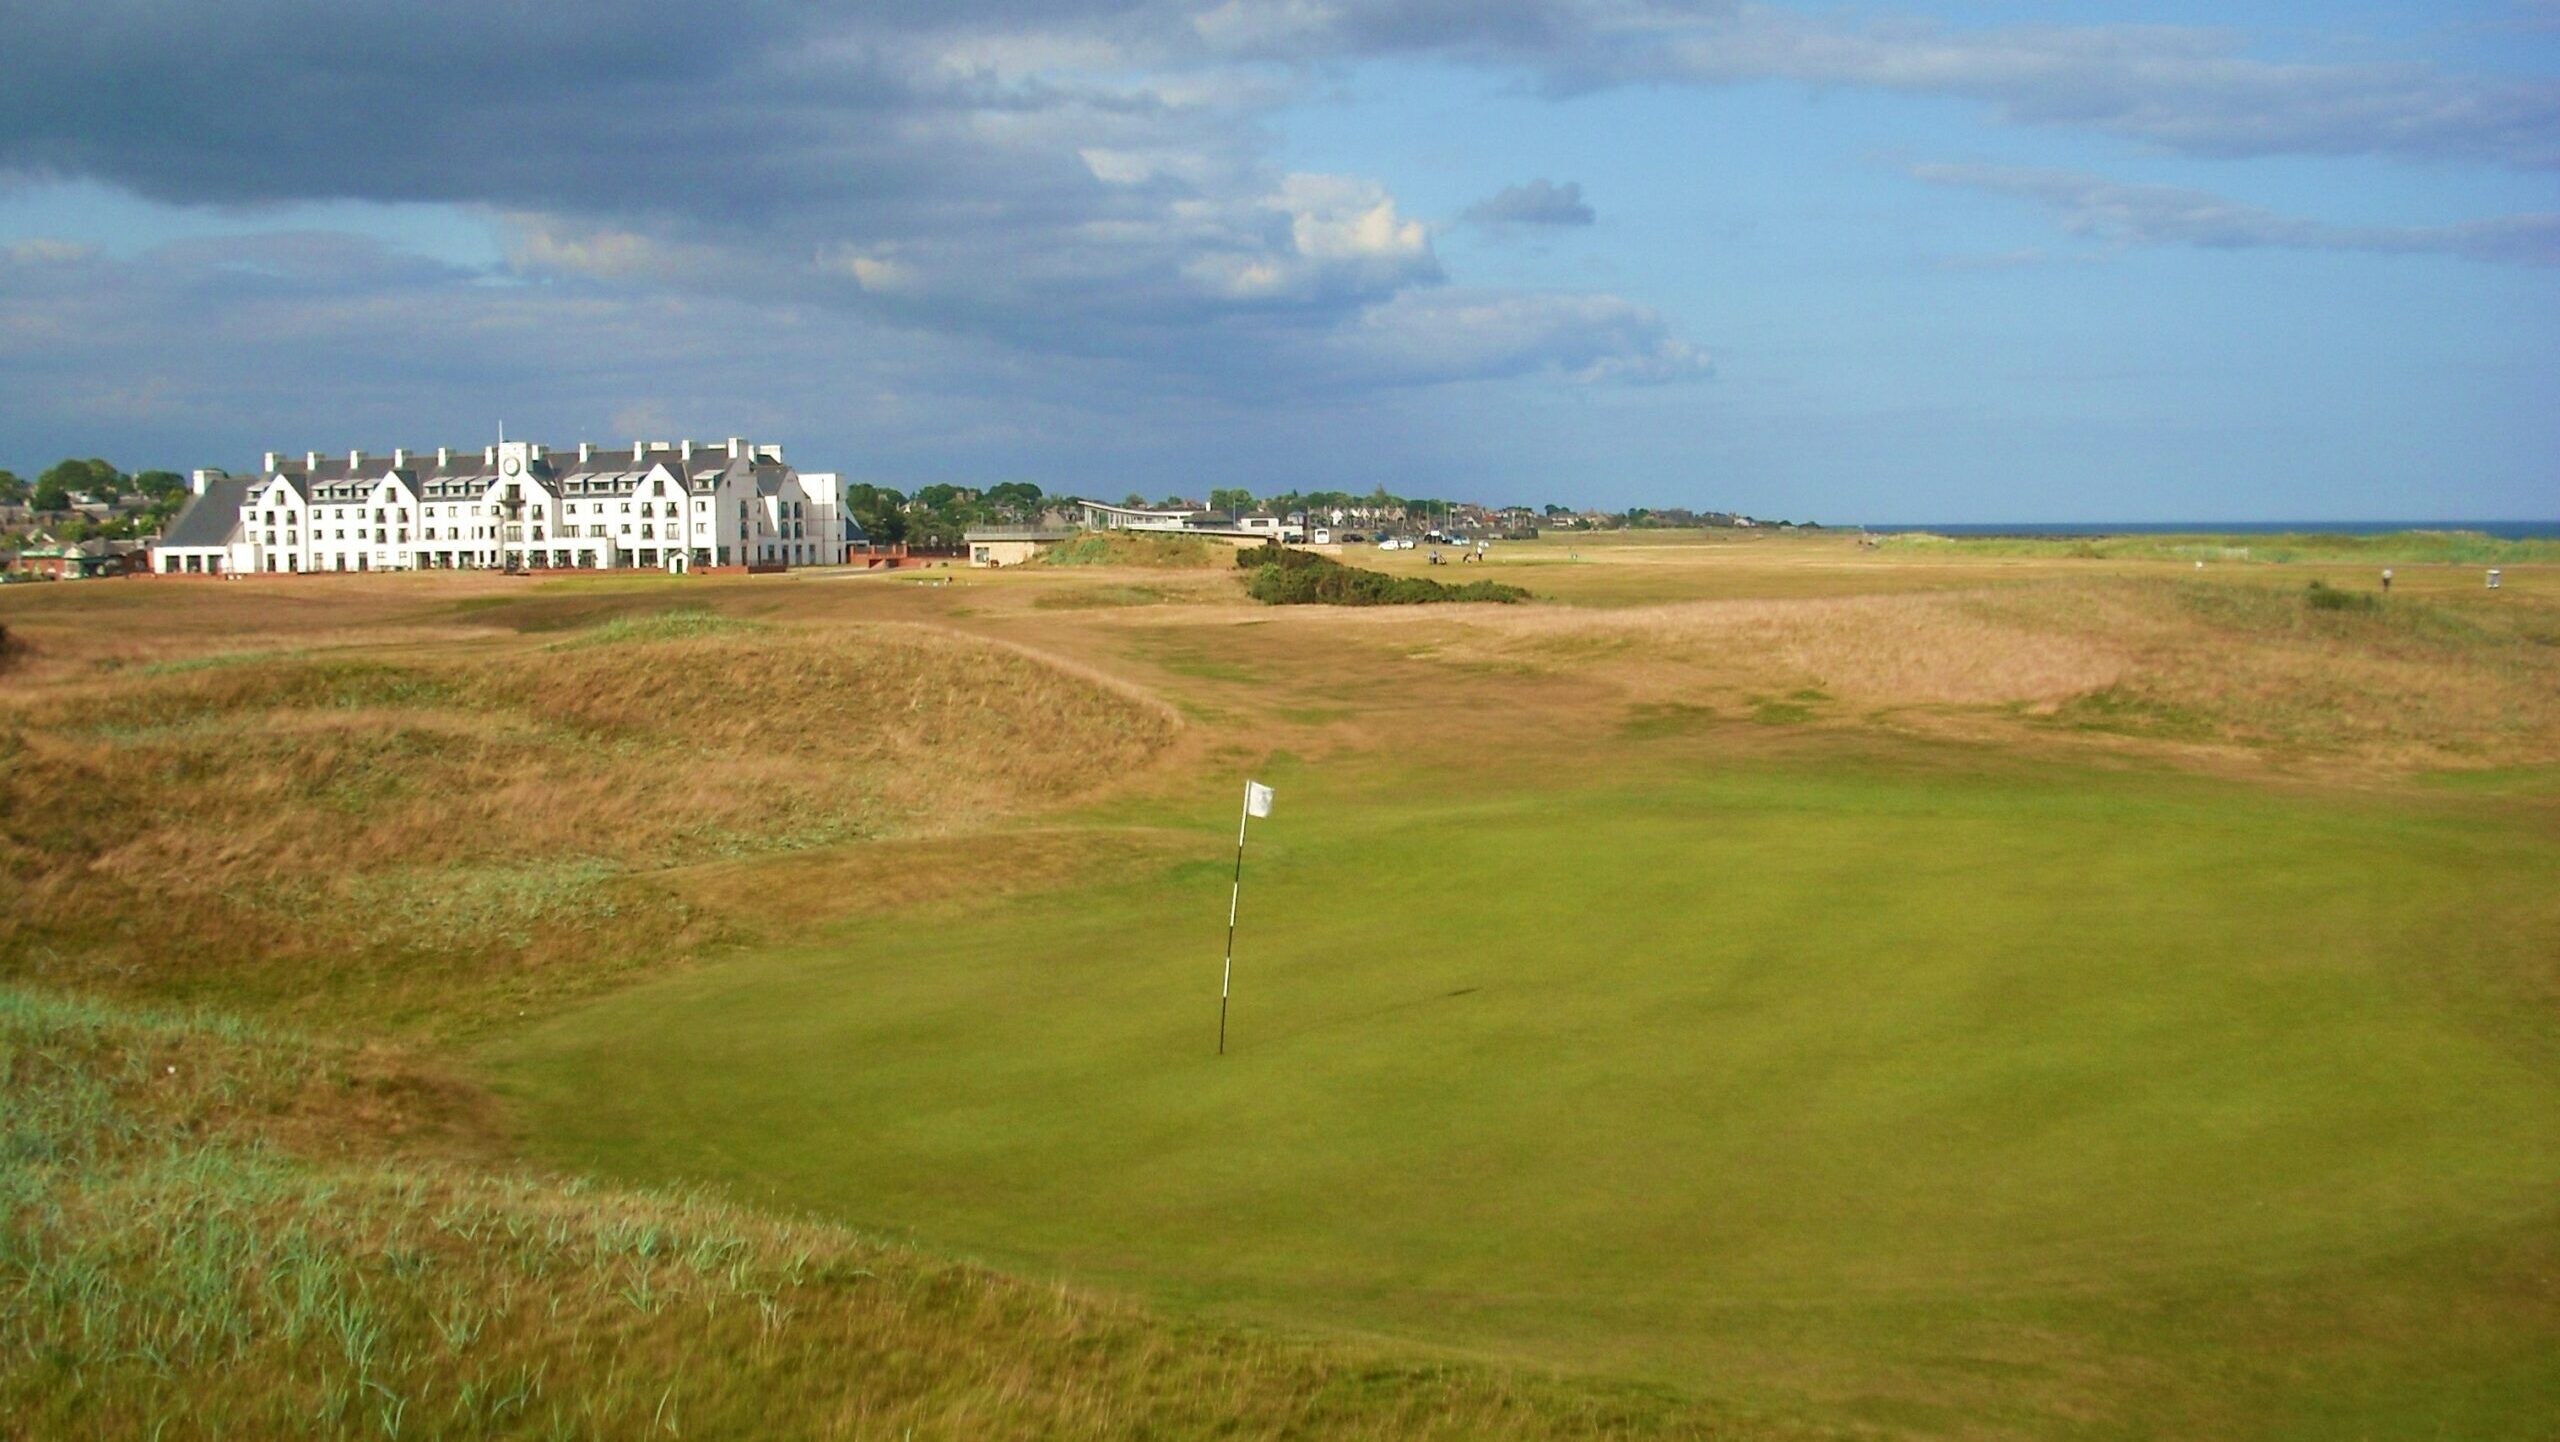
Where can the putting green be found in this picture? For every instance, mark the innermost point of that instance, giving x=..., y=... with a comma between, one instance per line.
x=1886, y=1094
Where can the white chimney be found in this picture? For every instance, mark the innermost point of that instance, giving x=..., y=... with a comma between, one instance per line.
x=688, y=450
x=270, y=467
x=201, y=481
x=488, y=455
x=354, y=460
x=444, y=457
x=399, y=458
x=737, y=445
x=311, y=460
x=586, y=452
x=639, y=453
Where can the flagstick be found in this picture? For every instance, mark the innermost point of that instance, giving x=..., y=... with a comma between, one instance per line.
x=1234, y=894
x=1255, y=795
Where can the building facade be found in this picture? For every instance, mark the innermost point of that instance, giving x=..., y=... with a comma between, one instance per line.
x=659, y=505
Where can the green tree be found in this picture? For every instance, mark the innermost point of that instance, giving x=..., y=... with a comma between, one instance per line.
x=1234, y=500
x=934, y=526
x=879, y=510
x=1015, y=500
x=1133, y=500
x=14, y=488
x=160, y=485
x=54, y=487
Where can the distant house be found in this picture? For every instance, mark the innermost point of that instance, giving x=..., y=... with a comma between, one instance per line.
x=84, y=560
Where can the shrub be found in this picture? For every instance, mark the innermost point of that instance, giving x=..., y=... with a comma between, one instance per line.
x=2324, y=597
x=1126, y=548
x=1283, y=577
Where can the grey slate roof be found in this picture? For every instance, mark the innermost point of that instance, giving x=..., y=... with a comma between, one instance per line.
x=209, y=519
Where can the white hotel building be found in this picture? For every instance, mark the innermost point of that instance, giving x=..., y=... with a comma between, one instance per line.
x=671, y=505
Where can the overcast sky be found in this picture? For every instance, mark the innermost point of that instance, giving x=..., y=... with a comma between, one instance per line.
x=1997, y=261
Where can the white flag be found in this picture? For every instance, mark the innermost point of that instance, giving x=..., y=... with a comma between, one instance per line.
x=1257, y=799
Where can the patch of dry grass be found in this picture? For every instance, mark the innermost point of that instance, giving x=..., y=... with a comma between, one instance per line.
x=300, y=814
x=2407, y=683
x=1930, y=649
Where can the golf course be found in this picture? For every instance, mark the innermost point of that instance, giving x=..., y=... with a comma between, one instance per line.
x=1784, y=986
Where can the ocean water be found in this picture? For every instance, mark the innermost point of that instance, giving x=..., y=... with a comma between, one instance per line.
x=2504, y=530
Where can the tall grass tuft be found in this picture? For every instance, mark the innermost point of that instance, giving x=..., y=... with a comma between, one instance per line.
x=168, y=1270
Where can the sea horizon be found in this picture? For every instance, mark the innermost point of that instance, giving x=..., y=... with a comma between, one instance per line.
x=2502, y=530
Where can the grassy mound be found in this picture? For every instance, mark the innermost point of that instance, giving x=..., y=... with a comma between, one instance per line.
x=1282, y=577
x=1131, y=548
x=173, y=1268
x=312, y=819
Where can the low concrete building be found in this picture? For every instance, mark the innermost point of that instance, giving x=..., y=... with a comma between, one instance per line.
x=1011, y=545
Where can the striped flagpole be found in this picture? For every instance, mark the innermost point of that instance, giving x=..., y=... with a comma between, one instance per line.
x=1235, y=893
x=1257, y=802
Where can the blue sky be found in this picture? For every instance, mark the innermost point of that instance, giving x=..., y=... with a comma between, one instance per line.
x=1997, y=262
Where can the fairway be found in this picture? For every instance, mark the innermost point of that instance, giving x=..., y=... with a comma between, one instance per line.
x=1926, y=1089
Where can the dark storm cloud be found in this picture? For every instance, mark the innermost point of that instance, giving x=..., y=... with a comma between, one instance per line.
x=2192, y=90
x=1540, y=202
x=1086, y=180
x=752, y=107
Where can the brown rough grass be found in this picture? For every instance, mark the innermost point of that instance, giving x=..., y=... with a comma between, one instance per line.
x=2409, y=684
x=300, y=813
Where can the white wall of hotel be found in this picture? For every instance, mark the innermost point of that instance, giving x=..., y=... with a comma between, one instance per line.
x=668, y=505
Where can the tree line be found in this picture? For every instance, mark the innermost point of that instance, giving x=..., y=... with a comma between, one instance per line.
x=56, y=487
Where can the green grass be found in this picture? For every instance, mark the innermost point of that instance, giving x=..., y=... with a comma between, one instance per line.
x=684, y=623
x=1128, y=548
x=166, y=1272
x=1936, y=1095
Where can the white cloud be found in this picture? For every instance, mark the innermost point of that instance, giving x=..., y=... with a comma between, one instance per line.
x=2100, y=209
x=46, y=250
x=560, y=246
x=1339, y=218
x=1422, y=337
x=876, y=274
x=1540, y=202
